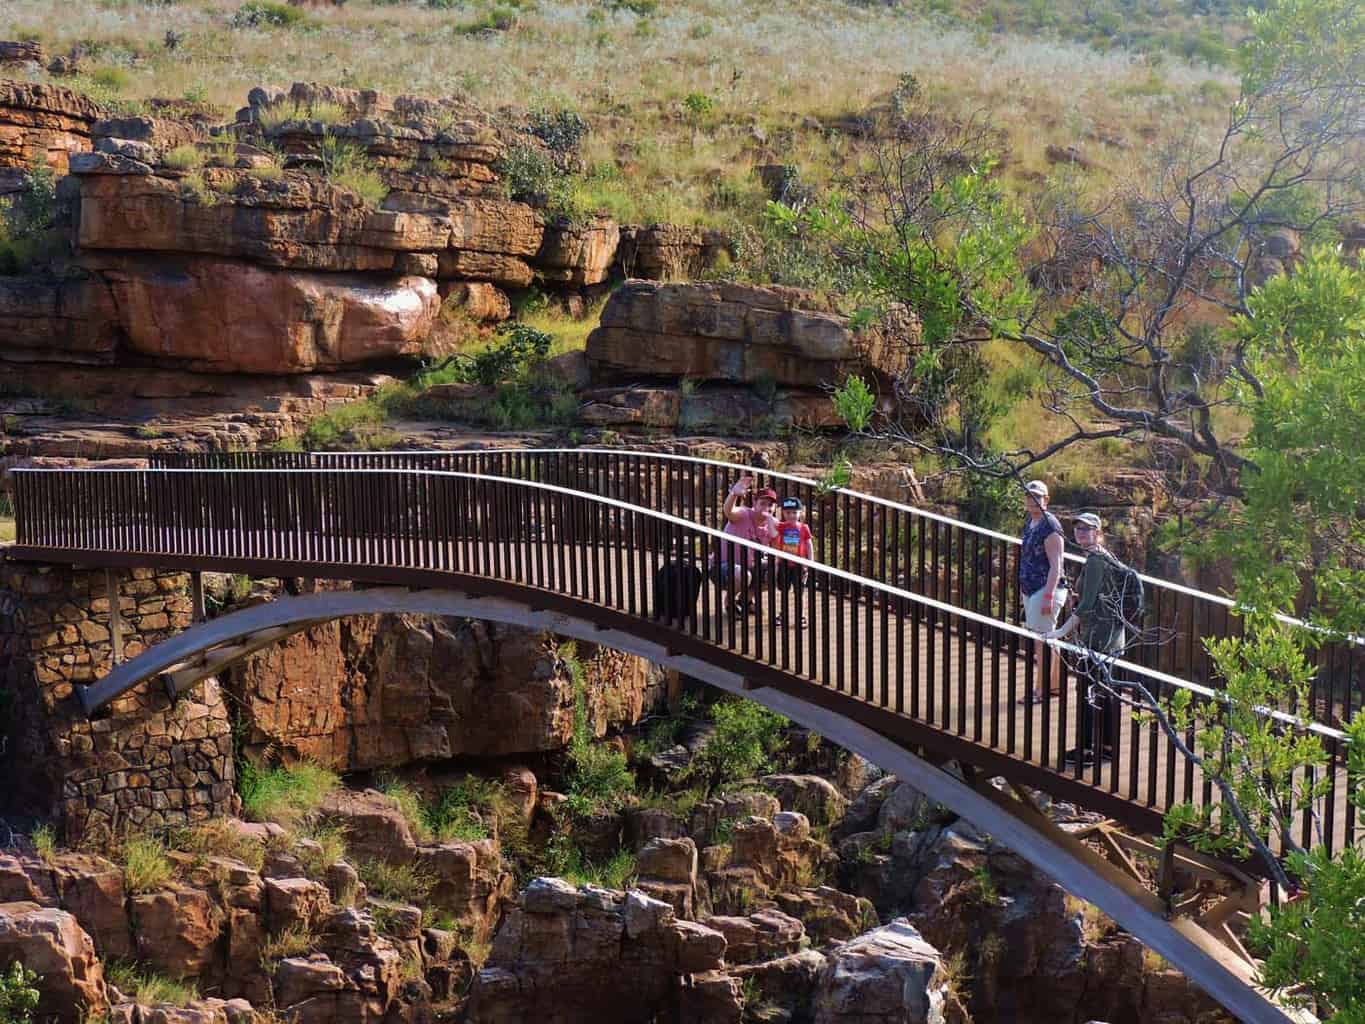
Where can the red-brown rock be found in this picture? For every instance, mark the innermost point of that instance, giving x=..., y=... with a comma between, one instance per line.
x=229, y=317
x=50, y=943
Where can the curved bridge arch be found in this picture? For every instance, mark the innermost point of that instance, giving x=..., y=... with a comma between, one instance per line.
x=1226, y=977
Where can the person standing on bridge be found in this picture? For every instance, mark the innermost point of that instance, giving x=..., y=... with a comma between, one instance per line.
x=1102, y=635
x=740, y=568
x=1040, y=577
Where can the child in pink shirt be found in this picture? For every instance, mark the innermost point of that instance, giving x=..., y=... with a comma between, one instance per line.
x=794, y=537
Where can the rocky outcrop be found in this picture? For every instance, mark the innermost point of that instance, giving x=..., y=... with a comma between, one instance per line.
x=60, y=319
x=375, y=692
x=669, y=252
x=734, y=333
x=41, y=124
x=889, y=976
x=50, y=943
x=566, y=955
x=223, y=316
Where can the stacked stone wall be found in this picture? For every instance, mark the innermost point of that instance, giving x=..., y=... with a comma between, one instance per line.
x=144, y=762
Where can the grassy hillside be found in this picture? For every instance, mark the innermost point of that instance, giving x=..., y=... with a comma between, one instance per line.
x=778, y=82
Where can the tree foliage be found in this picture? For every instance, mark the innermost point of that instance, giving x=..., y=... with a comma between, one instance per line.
x=18, y=994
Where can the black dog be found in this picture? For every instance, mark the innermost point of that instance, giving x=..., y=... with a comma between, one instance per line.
x=677, y=585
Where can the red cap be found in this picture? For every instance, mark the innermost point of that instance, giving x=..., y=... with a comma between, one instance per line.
x=768, y=493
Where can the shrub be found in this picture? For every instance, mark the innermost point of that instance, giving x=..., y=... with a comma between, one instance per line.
x=217, y=838
x=531, y=176
x=565, y=860
x=18, y=994
x=268, y=14
x=331, y=847
x=184, y=158
x=522, y=347
x=27, y=234
x=746, y=737
x=495, y=19
x=854, y=402
x=147, y=987
x=45, y=843
x=599, y=777
x=287, y=794
x=644, y=8
x=146, y=867
x=562, y=130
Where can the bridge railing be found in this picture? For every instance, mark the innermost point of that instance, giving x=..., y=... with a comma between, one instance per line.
x=929, y=671
x=917, y=549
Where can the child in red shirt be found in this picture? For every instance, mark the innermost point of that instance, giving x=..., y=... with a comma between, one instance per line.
x=794, y=537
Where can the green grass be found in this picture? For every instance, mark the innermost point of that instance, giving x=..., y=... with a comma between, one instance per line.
x=461, y=812
x=184, y=158
x=404, y=883
x=566, y=861
x=288, y=794
x=296, y=940
x=331, y=841
x=146, y=868
x=410, y=805
x=218, y=838
x=147, y=987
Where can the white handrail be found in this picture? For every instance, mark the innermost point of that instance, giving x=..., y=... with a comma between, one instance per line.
x=878, y=585
x=1155, y=581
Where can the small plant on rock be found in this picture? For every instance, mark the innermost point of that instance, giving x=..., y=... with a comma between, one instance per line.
x=184, y=158
x=45, y=843
x=147, y=987
x=746, y=738
x=146, y=867
x=346, y=165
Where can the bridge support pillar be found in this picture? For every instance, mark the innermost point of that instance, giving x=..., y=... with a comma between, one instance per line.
x=142, y=763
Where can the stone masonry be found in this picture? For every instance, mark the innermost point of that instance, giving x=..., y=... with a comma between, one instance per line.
x=143, y=762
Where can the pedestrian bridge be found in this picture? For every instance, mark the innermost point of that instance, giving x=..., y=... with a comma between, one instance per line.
x=901, y=645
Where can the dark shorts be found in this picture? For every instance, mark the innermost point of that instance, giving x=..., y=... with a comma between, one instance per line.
x=793, y=576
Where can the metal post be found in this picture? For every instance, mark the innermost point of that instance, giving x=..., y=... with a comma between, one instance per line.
x=197, y=596
x=115, y=615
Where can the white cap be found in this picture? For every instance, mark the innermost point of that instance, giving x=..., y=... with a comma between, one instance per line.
x=1089, y=519
x=1036, y=487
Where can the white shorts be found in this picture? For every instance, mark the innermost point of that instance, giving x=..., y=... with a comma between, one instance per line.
x=1034, y=618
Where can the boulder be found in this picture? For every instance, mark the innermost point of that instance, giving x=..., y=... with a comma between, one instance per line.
x=42, y=124
x=224, y=316
x=567, y=955
x=50, y=943
x=67, y=319
x=818, y=799
x=295, y=903
x=725, y=332
x=827, y=914
x=888, y=976
x=374, y=825
x=630, y=407
x=669, y=252
x=176, y=930
x=786, y=984
x=578, y=255
x=905, y=808
x=763, y=935
x=862, y=814
x=478, y=300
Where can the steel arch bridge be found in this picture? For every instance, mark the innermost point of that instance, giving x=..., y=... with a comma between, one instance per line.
x=899, y=645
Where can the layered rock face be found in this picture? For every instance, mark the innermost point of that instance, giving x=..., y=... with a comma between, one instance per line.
x=726, y=333
x=386, y=691
x=41, y=124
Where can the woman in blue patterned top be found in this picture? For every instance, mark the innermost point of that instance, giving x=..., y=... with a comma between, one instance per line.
x=1040, y=575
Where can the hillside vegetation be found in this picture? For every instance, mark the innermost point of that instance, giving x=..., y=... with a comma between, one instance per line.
x=682, y=99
